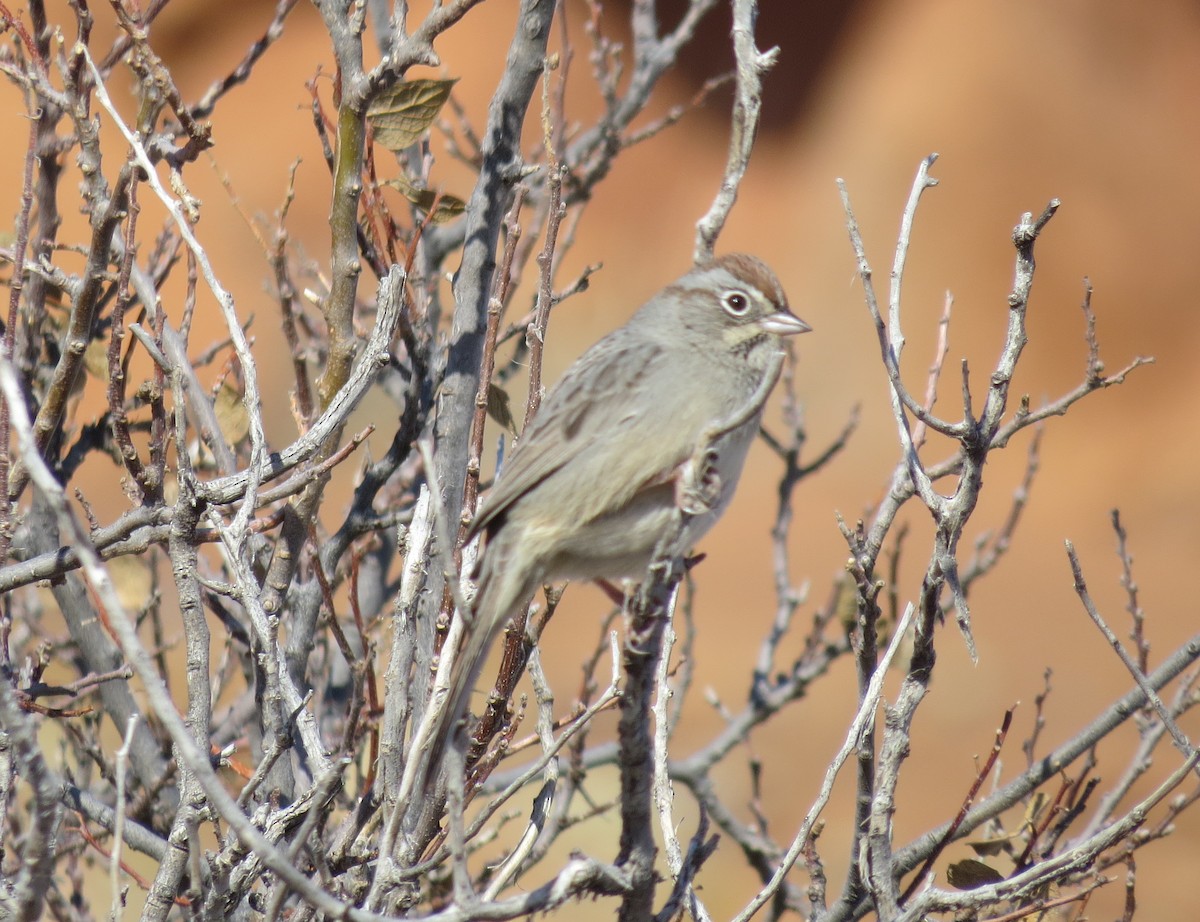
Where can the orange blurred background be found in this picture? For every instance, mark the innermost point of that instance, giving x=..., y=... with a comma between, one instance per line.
x=1024, y=101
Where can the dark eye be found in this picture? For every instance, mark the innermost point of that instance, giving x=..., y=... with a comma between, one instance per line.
x=736, y=302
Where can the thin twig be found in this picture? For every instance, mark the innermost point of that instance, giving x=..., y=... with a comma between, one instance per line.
x=751, y=64
x=864, y=716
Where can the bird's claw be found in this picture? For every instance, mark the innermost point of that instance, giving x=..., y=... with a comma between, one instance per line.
x=698, y=484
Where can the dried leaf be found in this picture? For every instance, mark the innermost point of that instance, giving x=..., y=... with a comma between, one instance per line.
x=401, y=115
x=988, y=848
x=444, y=207
x=131, y=578
x=1035, y=807
x=499, y=407
x=170, y=489
x=846, y=603
x=231, y=414
x=95, y=359
x=969, y=874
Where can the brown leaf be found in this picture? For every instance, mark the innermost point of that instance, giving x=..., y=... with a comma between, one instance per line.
x=969, y=874
x=401, y=115
x=231, y=414
x=846, y=603
x=131, y=578
x=95, y=359
x=1035, y=807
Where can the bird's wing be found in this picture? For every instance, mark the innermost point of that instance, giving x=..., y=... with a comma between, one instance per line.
x=606, y=417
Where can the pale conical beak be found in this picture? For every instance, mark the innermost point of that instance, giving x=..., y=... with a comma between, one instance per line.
x=783, y=323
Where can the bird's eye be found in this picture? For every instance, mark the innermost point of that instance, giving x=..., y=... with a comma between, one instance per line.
x=735, y=302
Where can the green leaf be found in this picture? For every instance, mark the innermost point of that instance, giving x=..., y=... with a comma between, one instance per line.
x=969, y=874
x=499, y=407
x=444, y=206
x=402, y=114
x=990, y=848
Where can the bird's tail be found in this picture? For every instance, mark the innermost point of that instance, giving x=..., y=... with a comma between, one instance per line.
x=501, y=589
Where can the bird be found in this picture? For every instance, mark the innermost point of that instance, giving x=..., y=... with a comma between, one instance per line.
x=654, y=419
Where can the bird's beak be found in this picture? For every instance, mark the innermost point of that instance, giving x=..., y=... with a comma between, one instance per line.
x=783, y=323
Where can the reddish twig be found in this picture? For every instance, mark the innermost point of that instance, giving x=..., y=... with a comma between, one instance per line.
x=948, y=837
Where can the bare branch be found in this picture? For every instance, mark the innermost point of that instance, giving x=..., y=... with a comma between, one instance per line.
x=751, y=65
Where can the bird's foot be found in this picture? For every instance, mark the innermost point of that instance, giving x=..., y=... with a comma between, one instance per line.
x=698, y=484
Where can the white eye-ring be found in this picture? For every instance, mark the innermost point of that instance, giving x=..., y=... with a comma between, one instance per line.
x=735, y=302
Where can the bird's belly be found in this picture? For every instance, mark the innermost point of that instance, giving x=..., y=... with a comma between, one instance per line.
x=618, y=545
x=623, y=543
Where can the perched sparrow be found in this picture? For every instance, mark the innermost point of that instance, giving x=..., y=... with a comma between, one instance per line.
x=656, y=417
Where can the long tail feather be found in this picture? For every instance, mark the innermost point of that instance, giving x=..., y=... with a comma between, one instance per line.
x=501, y=589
